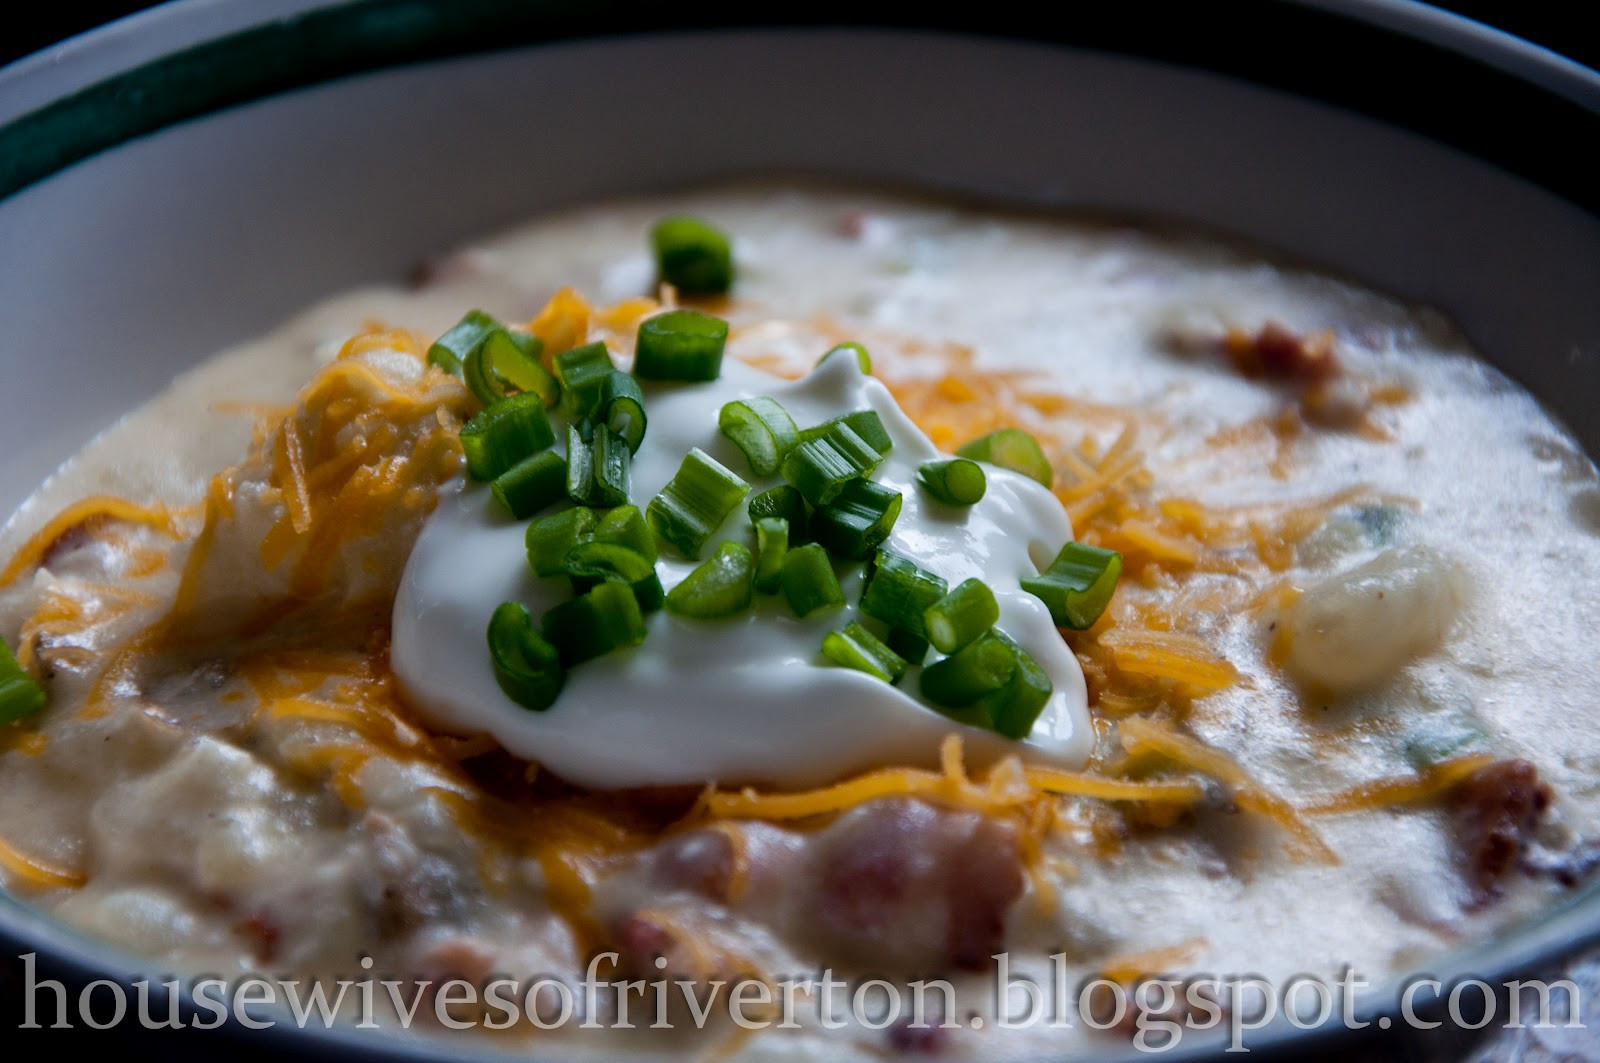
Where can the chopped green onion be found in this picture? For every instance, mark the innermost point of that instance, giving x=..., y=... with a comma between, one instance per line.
x=856, y=647
x=599, y=468
x=549, y=538
x=605, y=618
x=772, y=545
x=855, y=523
x=899, y=593
x=20, y=696
x=692, y=256
x=864, y=423
x=487, y=386
x=1014, y=708
x=808, y=580
x=600, y=562
x=532, y=484
x=718, y=587
x=1010, y=448
x=680, y=345
x=514, y=355
x=911, y=646
x=982, y=667
x=961, y=616
x=1078, y=584
x=762, y=430
x=820, y=468
x=582, y=372
x=784, y=503
x=625, y=526
x=504, y=434
x=863, y=359
x=953, y=481
x=621, y=408
x=526, y=666
x=696, y=501
x=449, y=352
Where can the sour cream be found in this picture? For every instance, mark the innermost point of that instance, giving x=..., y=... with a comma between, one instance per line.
x=748, y=699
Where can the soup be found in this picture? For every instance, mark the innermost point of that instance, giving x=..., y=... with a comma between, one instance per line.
x=1332, y=719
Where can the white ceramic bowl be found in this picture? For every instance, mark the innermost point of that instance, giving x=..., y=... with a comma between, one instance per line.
x=185, y=178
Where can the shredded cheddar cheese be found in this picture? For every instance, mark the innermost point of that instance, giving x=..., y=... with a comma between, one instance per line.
x=36, y=872
x=90, y=510
x=1438, y=780
x=1140, y=734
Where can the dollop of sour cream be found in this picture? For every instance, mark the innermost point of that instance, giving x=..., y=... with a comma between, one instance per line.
x=748, y=699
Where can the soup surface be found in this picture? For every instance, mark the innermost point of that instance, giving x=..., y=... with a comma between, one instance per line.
x=1337, y=715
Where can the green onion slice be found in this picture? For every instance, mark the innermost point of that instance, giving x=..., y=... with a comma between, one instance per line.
x=762, y=430
x=692, y=256
x=625, y=526
x=607, y=617
x=621, y=408
x=549, y=538
x=856, y=647
x=1078, y=584
x=695, y=502
x=899, y=593
x=532, y=484
x=808, y=580
x=1014, y=708
x=680, y=345
x=582, y=371
x=596, y=562
x=772, y=546
x=911, y=646
x=449, y=352
x=820, y=468
x=864, y=423
x=20, y=696
x=505, y=433
x=598, y=468
x=504, y=360
x=863, y=359
x=976, y=670
x=857, y=522
x=961, y=616
x=526, y=666
x=1010, y=448
x=783, y=503
x=953, y=481
x=718, y=587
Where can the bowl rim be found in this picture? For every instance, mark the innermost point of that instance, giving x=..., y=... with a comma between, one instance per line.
x=61, y=86
x=180, y=60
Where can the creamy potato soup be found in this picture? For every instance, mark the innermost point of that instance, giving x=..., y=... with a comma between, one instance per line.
x=620, y=650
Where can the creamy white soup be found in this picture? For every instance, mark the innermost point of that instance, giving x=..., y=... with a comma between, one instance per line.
x=1336, y=716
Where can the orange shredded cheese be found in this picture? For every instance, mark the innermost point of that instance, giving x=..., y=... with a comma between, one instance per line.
x=36, y=872
x=1383, y=793
x=1140, y=735
x=100, y=507
x=1131, y=967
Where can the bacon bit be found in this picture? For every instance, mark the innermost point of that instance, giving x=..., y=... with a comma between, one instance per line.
x=929, y=1039
x=263, y=933
x=1495, y=810
x=1279, y=351
x=700, y=861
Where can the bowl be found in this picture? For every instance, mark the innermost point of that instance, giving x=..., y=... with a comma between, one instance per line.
x=187, y=177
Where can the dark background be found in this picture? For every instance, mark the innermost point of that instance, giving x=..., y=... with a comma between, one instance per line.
x=1555, y=24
